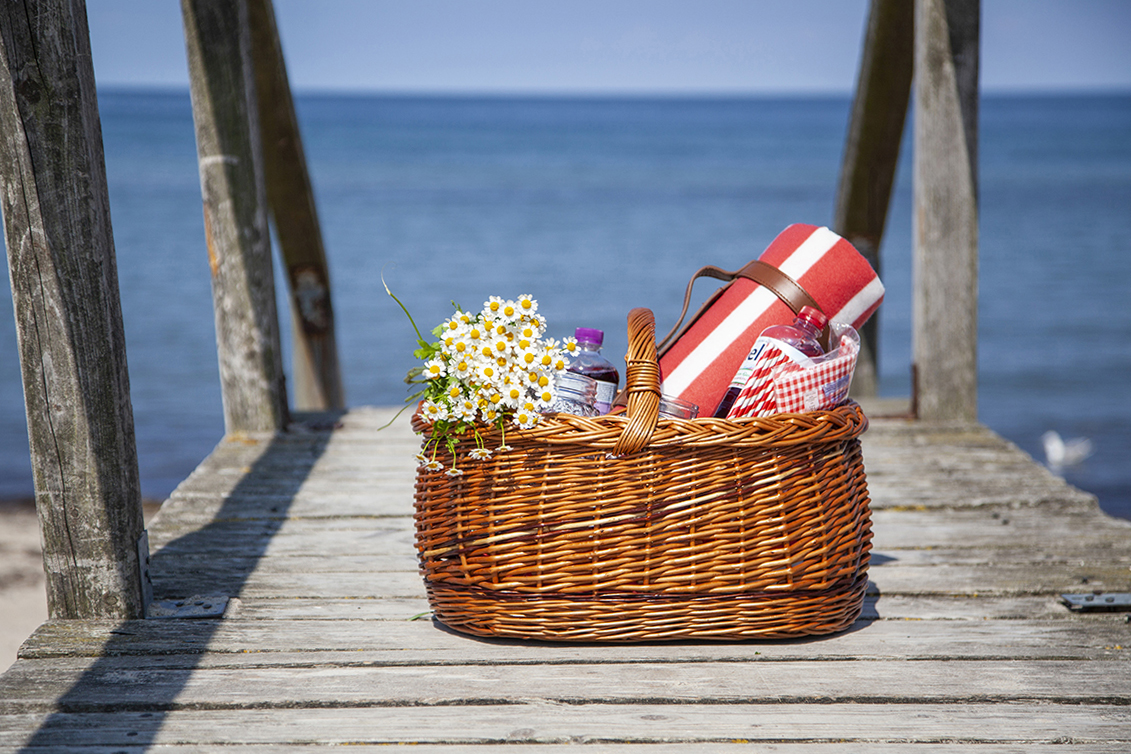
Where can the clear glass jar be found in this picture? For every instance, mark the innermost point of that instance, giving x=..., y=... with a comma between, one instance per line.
x=674, y=408
x=574, y=394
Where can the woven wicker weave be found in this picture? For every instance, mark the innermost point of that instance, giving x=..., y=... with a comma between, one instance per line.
x=634, y=528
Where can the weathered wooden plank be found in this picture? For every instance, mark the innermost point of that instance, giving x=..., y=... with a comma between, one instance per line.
x=249, y=578
x=701, y=747
x=68, y=316
x=1035, y=528
x=887, y=607
x=317, y=376
x=325, y=538
x=222, y=85
x=911, y=463
x=550, y=723
x=90, y=686
x=945, y=217
x=871, y=154
x=250, y=640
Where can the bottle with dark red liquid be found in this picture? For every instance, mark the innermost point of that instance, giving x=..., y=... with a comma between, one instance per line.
x=804, y=335
x=591, y=363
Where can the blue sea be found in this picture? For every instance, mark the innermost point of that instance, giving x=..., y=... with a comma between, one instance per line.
x=598, y=205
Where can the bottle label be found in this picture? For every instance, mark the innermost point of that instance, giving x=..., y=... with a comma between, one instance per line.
x=606, y=392
x=747, y=368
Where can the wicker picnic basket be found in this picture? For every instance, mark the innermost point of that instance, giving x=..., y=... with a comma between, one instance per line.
x=639, y=528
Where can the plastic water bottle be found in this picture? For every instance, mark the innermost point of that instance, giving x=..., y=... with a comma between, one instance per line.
x=574, y=394
x=591, y=363
x=804, y=336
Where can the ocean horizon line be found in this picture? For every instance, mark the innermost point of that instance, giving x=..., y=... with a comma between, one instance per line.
x=620, y=95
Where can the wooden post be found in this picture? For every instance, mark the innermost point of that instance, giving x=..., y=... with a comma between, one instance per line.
x=945, y=219
x=224, y=109
x=871, y=152
x=68, y=316
x=317, y=377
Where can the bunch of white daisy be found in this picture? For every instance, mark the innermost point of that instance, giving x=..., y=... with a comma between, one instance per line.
x=492, y=367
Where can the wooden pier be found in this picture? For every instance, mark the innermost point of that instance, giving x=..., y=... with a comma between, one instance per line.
x=274, y=604
x=326, y=638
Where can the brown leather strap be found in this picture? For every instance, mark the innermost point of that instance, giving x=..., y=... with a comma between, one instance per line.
x=783, y=286
x=762, y=273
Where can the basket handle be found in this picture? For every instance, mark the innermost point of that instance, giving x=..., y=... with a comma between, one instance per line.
x=642, y=383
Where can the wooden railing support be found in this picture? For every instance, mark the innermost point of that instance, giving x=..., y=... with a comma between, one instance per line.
x=317, y=377
x=68, y=315
x=222, y=83
x=945, y=216
x=871, y=152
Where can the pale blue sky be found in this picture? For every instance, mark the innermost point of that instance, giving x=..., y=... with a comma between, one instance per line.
x=614, y=46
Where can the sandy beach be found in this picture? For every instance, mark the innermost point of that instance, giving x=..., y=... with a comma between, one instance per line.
x=23, y=601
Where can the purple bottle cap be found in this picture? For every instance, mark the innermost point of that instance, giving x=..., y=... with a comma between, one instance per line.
x=589, y=335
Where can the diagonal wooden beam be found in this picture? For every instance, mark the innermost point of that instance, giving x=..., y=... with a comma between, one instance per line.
x=317, y=375
x=871, y=153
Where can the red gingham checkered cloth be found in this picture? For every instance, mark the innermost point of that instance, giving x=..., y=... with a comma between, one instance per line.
x=779, y=384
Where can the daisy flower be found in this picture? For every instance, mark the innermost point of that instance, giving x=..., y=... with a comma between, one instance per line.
x=524, y=419
x=526, y=304
x=461, y=369
x=433, y=412
x=436, y=367
x=500, y=345
x=492, y=306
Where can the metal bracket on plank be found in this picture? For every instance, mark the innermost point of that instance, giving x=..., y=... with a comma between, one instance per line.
x=1087, y=603
x=197, y=606
x=143, y=570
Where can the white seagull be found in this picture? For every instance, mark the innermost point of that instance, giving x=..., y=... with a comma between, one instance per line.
x=1060, y=453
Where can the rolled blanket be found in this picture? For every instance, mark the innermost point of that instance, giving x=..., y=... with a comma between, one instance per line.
x=699, y=365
